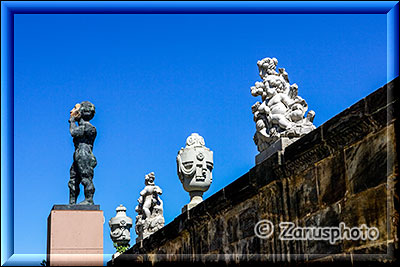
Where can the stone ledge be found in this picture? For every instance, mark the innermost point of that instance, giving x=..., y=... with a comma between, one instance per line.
x=75, y=207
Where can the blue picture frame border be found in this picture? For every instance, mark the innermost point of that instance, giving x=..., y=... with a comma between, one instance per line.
x=8, y=9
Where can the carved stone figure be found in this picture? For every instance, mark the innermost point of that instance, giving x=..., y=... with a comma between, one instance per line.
x=82, y=169
x=195, y=164
x=150, y=216
x=280, y=114
x=120, y=226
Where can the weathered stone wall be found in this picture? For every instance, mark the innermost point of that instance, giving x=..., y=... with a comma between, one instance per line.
x=344, y=171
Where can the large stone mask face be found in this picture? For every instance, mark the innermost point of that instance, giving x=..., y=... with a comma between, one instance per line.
x=195, y=164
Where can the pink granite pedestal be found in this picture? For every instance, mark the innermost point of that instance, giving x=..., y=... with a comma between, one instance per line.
x=75, y=235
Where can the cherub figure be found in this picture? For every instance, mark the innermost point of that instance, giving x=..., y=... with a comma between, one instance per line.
x=276, y=103
x=267, y=66
x=150, y=209
x=149, y=196
x=297, y=110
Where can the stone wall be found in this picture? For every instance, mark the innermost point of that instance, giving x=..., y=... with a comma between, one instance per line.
x=344, y=171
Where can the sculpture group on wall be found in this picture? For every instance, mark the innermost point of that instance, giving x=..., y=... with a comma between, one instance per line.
x=281, y=110
x=280, y=114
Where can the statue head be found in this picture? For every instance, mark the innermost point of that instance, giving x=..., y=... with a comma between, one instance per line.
x=84, y=110
x=267, y=66
x=278, y=84
x=297, y=112
x=149, y=179
x=87, y=110
x=195, y=164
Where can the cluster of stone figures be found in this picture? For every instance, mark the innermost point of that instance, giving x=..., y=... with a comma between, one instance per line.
x=281, y=112
x=279, y=115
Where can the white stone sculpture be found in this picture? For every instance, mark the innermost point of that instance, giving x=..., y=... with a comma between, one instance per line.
x=194, y=166
x=120, y=226
x=150, y=209
x=281, y=112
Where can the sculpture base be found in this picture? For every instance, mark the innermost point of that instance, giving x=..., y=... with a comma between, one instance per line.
x=279, y=145
x=76, y=207
x=188, y=206
x=75, y=235
x=196, y=197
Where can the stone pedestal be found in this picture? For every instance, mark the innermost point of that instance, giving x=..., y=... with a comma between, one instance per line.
x=196, y=197
x=188, y=207
x=75, y=235
x=279, y=145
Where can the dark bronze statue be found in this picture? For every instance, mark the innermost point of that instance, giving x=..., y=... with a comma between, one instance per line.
x=82, y=169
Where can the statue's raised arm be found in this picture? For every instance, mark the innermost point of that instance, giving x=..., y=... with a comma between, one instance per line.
x=75, y=130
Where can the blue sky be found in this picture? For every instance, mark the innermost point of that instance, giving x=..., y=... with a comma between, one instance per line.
x=154, y=80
